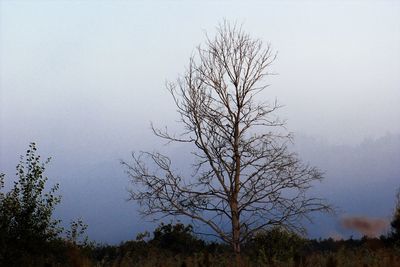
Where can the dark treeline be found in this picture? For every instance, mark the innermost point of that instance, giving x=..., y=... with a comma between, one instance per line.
x=176, y=245
x=30, y=236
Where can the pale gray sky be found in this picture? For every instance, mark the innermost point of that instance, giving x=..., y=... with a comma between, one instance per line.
x=84, y=78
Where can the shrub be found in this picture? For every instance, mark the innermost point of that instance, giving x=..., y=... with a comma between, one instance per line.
x=275, y=245
x=26, y=223
x=176, y=238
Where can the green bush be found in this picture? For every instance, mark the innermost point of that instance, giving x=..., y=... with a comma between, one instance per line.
x=275, y=246
x=176, y=238
x=26, y=224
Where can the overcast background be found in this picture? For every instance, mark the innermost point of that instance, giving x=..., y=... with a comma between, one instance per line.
x=84, y=79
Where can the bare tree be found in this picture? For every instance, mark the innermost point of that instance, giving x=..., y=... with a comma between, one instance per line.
x=395, y=223
x=244, y=174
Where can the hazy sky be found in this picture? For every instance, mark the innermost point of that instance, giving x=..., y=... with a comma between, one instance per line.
x=84, y=78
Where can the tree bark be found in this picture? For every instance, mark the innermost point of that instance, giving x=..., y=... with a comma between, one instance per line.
x=235, y=189
x=236, y=234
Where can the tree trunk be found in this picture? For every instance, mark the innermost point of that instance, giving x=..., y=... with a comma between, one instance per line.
x=238, y=258
x=235, y=193
x=236, y=234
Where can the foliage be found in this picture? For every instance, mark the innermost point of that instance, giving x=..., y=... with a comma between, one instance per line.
x=77, y=233
x=166, y=248
x=257, y=253
x=276, y=245
x=396, y=220
x=176, y=238
x=26, y=222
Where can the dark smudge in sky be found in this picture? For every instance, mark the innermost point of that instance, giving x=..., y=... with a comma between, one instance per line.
x=371, y=227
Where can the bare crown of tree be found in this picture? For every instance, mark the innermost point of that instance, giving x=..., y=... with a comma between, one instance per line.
x=245, y=180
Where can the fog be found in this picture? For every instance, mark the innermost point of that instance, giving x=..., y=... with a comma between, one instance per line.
x=84, y=79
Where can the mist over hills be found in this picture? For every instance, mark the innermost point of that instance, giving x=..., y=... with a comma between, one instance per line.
x=365, y=172
x=360, y=180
